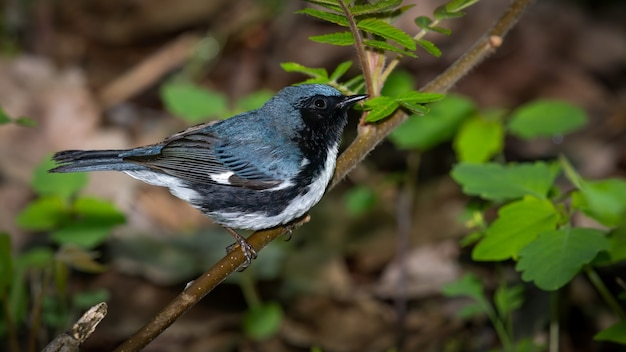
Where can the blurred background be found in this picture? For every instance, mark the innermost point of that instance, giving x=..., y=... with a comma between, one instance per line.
x=366, y=273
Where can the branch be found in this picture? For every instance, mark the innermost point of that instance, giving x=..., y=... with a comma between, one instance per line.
x=369, y=136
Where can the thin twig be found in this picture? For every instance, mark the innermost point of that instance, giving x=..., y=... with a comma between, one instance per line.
x=368, y=137
x=360, y=48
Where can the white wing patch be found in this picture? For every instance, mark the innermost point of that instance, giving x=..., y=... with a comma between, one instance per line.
x=222, y=178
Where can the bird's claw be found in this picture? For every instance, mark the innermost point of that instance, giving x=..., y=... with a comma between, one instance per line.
x=246, y=248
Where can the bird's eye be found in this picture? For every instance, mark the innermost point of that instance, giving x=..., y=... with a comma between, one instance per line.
x=319, y=103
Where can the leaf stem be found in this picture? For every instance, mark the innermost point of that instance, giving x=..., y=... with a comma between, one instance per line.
x=360, y=48
x=597, y=282
x=553, y=340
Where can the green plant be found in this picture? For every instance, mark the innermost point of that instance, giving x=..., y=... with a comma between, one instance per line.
x=34, y=293
x=380, y=46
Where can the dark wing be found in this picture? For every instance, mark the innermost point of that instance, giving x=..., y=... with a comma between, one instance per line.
x=191, y=157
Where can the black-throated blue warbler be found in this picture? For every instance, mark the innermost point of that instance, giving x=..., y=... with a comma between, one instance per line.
x=256, y=170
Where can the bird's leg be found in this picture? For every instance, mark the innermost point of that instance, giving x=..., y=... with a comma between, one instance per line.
x=288, y=233
x=246, y=248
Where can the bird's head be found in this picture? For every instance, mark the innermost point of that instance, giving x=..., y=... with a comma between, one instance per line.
x=314, y=111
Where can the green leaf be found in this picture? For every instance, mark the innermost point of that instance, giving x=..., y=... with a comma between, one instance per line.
x=359, y=200
x=419, y=97
x=552, y=260
x=36, y=258
x=423, y=22
x=6, y=263
x=191, y=102
x=387, y=31
x=62, y=185
x=603, y=200
x=377, y=7
x=470, y=310
x=437, y=126
x=332, y=5
x=43, y=214
x=380, y=107
x=341, y=69
x=468, y=286
x=617, y=244
x=384, y=46
x=326, y=16
x=479, y=140
x=507, y=299
x=546, y=118
x=309, y=71
x=398, y=82
x=442, y=13
x=503, y=182
x=95, y=219
x=263, y=322
x=430, y=47
x=458, y=5
x=4, y=118
x=339, y=38
x=253, y=101
x=26, y=122
x=442, y=30
x=614, y=333
x=517, y=225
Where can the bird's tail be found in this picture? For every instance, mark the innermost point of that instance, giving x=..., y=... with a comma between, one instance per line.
x=91, y=160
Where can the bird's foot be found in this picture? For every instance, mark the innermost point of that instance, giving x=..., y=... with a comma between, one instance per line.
x=248, y=251
x=289, y=228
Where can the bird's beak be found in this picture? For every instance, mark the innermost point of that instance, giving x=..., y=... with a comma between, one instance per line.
x=351, y=100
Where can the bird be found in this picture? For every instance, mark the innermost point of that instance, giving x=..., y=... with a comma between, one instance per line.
x=256, y=170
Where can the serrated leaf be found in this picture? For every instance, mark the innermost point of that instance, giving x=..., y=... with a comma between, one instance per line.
x=379, y=108
x=430, y=47
x=478, y=140
x=43, y=214
x=554, y=257
x=502, y=182
x=63, y=185
x=614, y=333
x=310, y=71
x=191, y=102
x=339, y=38
x=341, y=70
x=419, y=97
x=507, y=299
x=604, y=200
x=436, y=126
x=518, y=224
x=376, y=7
x=338, y=19
x=377, y=44
x=387, y=31
x=332, y=5
x=546, y=118
x=263, y=321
